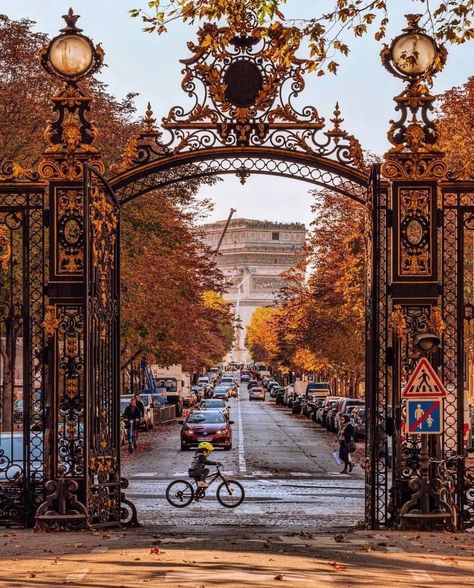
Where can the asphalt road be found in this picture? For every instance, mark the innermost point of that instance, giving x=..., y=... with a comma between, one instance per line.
x=284, y=461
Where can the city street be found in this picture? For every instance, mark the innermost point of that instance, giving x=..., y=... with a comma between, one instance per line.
x=284, y=461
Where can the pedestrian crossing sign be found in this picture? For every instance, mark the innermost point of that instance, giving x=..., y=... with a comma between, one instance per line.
x=424, y=382
x=424, y=416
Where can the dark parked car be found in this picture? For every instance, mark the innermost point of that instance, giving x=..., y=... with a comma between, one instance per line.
x=296, y=406
x=209, y=426
x=279, y=395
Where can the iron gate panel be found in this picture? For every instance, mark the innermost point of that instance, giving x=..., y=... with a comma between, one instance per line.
x=377, y=392
x=458, y=211
x=102, y=355
x=23, y=426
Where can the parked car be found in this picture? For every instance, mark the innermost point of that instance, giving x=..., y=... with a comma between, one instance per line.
x=271, y=388
x=320, y=389
x=331, y=415
x=322, y=412
x=343, y=407
x=296, y=406
x=158, y=400
x=215, y=404
x=147, y=422
x=256, y=393
x=203, y=425
x=12, y=465
x=359, y=416
x=279, y=395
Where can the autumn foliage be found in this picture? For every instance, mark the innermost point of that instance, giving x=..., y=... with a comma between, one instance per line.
x=170, y=309
x=318, y=325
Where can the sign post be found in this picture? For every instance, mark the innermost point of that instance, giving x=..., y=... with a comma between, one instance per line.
x=424, y=394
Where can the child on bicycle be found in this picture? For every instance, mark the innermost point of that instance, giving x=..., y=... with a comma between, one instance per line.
x=200, y=459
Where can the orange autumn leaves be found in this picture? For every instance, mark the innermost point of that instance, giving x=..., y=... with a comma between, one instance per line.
x=318, y=324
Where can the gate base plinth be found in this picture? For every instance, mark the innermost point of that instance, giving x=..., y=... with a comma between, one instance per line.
x=61, y=511
x=432, y=521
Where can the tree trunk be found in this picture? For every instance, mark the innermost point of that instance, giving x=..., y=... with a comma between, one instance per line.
x=8, y=350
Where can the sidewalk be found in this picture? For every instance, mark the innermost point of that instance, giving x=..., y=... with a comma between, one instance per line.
x=236, y=558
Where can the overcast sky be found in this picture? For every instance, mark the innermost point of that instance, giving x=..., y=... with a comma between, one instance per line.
x=148, y=64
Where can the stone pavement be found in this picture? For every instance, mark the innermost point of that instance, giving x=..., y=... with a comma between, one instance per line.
x=236, y=559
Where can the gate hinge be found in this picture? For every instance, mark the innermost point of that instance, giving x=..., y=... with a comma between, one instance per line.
x=389, y=218
x=46, y=217
x=439, y=212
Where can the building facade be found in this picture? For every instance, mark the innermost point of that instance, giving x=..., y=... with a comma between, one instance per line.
x=252, y=256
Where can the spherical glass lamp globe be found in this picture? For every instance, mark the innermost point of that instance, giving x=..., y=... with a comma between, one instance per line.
x=71, y=55
x=413, y=53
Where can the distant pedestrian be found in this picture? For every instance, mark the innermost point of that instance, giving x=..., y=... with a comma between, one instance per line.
x=346, y=442
x=140, y=405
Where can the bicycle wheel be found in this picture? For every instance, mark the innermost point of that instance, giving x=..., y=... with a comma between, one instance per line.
x=179, y=493
x=230, y=493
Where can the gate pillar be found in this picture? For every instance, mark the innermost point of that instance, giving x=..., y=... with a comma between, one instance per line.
x=414, y=167
x=73, y=422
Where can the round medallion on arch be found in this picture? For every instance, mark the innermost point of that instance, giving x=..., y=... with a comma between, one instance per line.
x=244, y=82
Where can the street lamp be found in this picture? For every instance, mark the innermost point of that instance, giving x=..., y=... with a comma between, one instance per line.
x=71, y=55
x=413, y=54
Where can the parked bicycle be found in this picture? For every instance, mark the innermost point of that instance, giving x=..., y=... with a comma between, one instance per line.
x=132, y=434
x=229, y=493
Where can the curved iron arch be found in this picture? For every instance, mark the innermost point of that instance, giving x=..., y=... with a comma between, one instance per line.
x=201, y=163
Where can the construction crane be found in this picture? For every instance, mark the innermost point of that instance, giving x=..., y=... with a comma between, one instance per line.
x=221, y=238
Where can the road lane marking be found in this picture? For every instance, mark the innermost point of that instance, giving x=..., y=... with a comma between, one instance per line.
x=242, y=462
x=77, y=576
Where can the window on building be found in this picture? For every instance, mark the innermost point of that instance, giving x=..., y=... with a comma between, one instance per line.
x=275, y=236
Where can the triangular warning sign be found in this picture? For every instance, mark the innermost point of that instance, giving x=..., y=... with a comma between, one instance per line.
x=424, y=382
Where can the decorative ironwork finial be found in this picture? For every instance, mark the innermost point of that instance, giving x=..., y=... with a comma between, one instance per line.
x=149, y=121
x=337, y=120
x=71, y=20
x=413, y=22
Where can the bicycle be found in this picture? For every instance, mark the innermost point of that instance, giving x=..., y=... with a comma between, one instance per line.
x=229, y=493
x=132, y=434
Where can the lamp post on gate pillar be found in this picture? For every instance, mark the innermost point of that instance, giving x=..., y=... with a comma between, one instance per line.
x=413, y=166
x=70, y=57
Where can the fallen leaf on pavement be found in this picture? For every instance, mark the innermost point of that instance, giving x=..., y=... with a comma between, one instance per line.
x=279, y=577
x=338, y=566
x=339, y=538
x=155, y=551
x=136, y=559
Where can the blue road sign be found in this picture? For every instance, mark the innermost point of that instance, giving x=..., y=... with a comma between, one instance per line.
x=425, y=416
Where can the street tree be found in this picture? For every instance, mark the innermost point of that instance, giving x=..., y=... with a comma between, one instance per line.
x=456, y=125
x=165, y=268
x=328, y=33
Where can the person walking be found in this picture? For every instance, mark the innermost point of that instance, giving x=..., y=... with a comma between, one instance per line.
x=346, y=439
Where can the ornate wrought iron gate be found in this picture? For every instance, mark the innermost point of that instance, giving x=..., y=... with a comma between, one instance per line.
x=102, y=333
x=59, y=425
x=24, y=429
